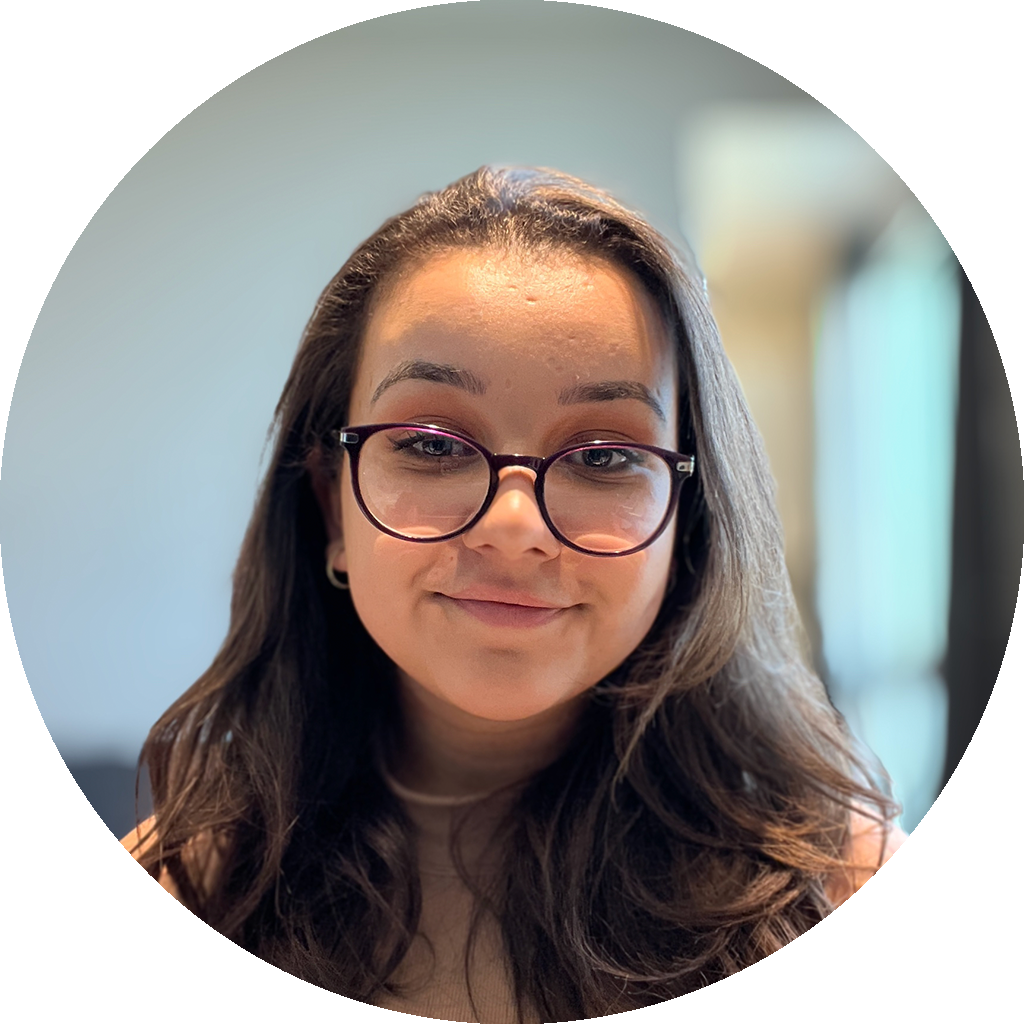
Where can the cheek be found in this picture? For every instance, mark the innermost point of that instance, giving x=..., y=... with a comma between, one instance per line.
x=631, y=595
x=358, y=533
x=386, y=577
x=382, y=570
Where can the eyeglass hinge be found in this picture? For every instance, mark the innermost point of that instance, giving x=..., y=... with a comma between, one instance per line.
x=347, y=437
x=686, y=465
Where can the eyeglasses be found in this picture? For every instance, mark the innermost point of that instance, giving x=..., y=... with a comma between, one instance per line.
x=423, y=484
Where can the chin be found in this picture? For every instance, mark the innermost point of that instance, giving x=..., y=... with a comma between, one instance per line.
x=505, y=698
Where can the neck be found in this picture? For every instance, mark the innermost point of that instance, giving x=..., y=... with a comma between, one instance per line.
x=444, y=751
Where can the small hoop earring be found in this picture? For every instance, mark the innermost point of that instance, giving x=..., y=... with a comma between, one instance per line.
x=332, y=575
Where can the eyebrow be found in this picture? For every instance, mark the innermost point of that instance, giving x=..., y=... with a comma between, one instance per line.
x=435, y=373
x=466, y=380
x=610, y=391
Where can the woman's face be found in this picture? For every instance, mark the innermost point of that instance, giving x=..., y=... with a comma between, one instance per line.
x=526, y=337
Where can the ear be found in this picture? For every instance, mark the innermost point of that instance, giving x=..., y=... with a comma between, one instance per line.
x=336, y=557
x=327, y=492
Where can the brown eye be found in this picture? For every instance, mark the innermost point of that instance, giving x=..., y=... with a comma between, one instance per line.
x=433, y=446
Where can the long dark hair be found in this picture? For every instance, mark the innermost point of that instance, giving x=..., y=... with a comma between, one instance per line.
x=688, y=831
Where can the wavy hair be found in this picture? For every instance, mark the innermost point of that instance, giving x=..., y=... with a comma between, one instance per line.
x=690, y=828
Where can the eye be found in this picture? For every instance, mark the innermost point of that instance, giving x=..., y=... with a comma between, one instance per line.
x=600, y=458
x=433, y=446
x=438, y=446
x=607, y=459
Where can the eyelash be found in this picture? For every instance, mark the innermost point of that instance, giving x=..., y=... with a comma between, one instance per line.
x=579, y=438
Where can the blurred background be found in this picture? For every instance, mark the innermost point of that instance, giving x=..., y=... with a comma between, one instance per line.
x=137, y=429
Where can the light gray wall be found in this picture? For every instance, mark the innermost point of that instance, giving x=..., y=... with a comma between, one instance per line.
x=136, y=431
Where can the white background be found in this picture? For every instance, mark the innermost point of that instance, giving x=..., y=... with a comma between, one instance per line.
x=88, y=89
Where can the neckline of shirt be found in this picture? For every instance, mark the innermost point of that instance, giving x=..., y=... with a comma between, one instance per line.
x=431, y=799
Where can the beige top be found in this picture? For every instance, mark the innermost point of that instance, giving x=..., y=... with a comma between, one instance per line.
x=433, y=974
x=435, y=977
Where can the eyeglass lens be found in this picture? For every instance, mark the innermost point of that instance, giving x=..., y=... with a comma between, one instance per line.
x=425, y=483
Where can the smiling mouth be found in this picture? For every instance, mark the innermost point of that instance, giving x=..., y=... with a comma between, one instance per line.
x=502, y=613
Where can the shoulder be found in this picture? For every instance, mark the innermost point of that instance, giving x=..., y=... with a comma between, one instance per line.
x=202, y=857
x=869, y=845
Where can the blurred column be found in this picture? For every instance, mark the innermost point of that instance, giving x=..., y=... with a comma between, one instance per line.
x=988, y=528
x=765, y=287
x=886, y=405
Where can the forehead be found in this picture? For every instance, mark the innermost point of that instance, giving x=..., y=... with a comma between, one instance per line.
x=520, y=321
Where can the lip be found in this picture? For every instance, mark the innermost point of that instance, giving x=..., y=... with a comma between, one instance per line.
x=501, y=595
x=496, y=607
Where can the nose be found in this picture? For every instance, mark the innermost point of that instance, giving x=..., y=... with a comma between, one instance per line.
x=513, y=524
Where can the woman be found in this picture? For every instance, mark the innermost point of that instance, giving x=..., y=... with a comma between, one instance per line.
x=512, y=721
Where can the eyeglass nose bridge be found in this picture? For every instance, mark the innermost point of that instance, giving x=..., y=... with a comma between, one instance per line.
x=536, y=464
x=501, y=462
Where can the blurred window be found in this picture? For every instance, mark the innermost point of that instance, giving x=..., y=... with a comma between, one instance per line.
x=885, y=410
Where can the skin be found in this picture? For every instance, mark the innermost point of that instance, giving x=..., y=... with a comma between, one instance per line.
x=486, y=703
x=487, y=699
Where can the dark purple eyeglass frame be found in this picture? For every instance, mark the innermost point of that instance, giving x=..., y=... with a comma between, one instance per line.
x=682, y=467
